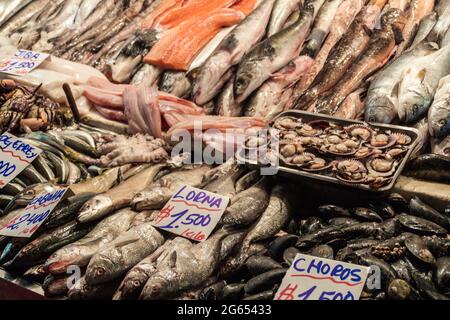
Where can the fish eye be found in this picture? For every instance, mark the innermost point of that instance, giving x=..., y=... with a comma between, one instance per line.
x=447, y=150
x=415, y=107
x=442, y=122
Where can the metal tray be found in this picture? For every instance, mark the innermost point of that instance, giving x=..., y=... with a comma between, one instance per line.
x=308, y=116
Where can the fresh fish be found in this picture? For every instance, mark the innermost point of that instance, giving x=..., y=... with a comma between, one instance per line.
x=137, y=277
x=101, y=183
x=158, y=193
x=82, y=290
x=185, y=270
x=31, y=174
x=378, y=51
x=352, y=107
x=432, y=167
x=419, y=84
x=282, y=9
x=85, y=10
x=230, y=52
x=271, y=98
x=229, y=243
x=36, y=273
x=10, y=8
x=55, y=286
x=426, y=25
x=61, y=165
x=43, y=167
x=321, y=28
x=271, y=221
x=341, y=21
x=344, y=53
x=273, y=53
x=124, y=252
x=423, y=137
x=247, y=205
x=21, y=17
x=117, y=197
x=382, y=97
x=439, y=112
x=80, y=252
x=418, y=9
x=222, y=179
x=443, y=23
x=147, y=74
x=226, y=104
x=420, y=209
x=39, y=249
x=442, y=147
x=174, y=82
x=446, y=39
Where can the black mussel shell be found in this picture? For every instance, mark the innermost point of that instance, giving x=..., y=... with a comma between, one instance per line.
x=293, y=227
x=420, y=209
x=233, y=291
x=311, y=224
x=420, y=225
x=332, y=211
x=277, y=246
x=383, y=209
x=289, y=255
x=397, y=201
x=387, y=272
x=419, y=250
x=401, y=268
x=398, y=289
x=366, y=214
x=258, y=264
x=342, y=221
x=357, y=244
x=264, y=281
x=265, y=295
x=345, y=254
x=213, y=292
x=443, y=273
x=438, y=246
x=390, y=228
x=434, y=295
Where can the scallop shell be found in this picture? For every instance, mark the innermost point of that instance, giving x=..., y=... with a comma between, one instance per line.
x=318, y=164
x=382, y=140
x=346, y=170
x=334, y=149
x=360, y=131
x=302, y=159
x=381, y=166
x=313, y=128
x=402, y=139
x=287, y=123
x=396, y=152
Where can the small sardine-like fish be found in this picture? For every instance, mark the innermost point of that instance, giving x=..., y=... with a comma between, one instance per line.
x=23, y=16
x=439, y=112
x=282, y=9
x=426, y=25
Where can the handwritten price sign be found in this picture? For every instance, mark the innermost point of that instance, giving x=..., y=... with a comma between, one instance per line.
x=313, y=278
x=23, y=62
x=15, y=155
x=26, y=223
x=192, y=213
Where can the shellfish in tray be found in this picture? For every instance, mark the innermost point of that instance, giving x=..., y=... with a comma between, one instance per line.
x=287, y=123
x=382, y=140
x=380, y=166
x=350, y=171
x=402, y=139
x=317, y=164
x=360, y=132
x=313, y=128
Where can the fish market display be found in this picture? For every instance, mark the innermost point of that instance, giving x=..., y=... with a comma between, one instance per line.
x=127, y=81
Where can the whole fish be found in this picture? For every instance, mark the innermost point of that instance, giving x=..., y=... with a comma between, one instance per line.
x=137, y=277
x=158, y=193
x=124, y=252
x=174, y=82
x=230, y=52
x=344, y=53
x=101, y=183
x=186, y=269
x=9, y=8
x=117, y=197
x=443, y=23
x=271, y=221
x=226, y=104
x=21, y=17
x=39, y=249
x=341, y=22
x=247, y=205
x=426, y=25
x=80, y=252
x=442, y=147
x=271, y=98
x=147, y=74
x=282, y=9
x=439, y=112
x=82, y=290
x=381, y=104
x=321, y=28
x=273, y=53
x=85, y=10
x=55, y=286
x=423, y=137
x=418, y=9
x=419, y=84
x=352, y=107
x=378, y=52
x=222, y=179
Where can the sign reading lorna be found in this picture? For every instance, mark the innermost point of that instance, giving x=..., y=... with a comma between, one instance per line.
x=192, y=213
x=29, y=220
x=15, y=155
x=314, y=278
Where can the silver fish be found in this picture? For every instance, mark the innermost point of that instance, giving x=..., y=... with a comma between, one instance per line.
x=158, y=193
x=117, y=197
x=443, y=23
x=174, y=82
x=422, y=127
x=147, y=74
x=273, y=53
x=80, y=252
x=441, y=147
x=439, y=112
x=230, y=52
x=282, y=9
x=226, y=105
x=21, y=17
x=222, y=179
x=426, y=25
x=124, y=252
x=85, y=10
x=9, y=8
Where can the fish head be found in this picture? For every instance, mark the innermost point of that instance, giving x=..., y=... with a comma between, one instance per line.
x=100, y=270
x=30, y=192
x=152, y=198
x=59, y=261
x=249, y=77
x=159, y=286
x=440, y=126
x=132, y=285
x=380, y=110
x=94, y=208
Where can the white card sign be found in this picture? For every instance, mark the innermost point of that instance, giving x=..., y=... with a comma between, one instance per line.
x=15, y=155
x=314, y=278
x=192, y=213
x=22, y=62
x=26, y=223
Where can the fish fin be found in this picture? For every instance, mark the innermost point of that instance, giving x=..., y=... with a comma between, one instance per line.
x=126, y=241
x=172, y=259
x=398, y=35
x=367, y=30
x=395, y=90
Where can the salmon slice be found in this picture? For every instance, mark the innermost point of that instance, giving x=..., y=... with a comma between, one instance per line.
x=160, y=12
x=244, y=6
x=195, y=9
x=179, y=46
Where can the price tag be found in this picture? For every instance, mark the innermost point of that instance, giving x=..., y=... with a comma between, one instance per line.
x=313, y=278
x=22, y=62
x=192, y=213
x=15, y=155
x=26, y=223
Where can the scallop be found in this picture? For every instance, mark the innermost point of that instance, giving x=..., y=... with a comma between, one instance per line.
x=402, y=139
x=382, y=140
x=359, y=131
x=302, y=159
x=288, y=150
